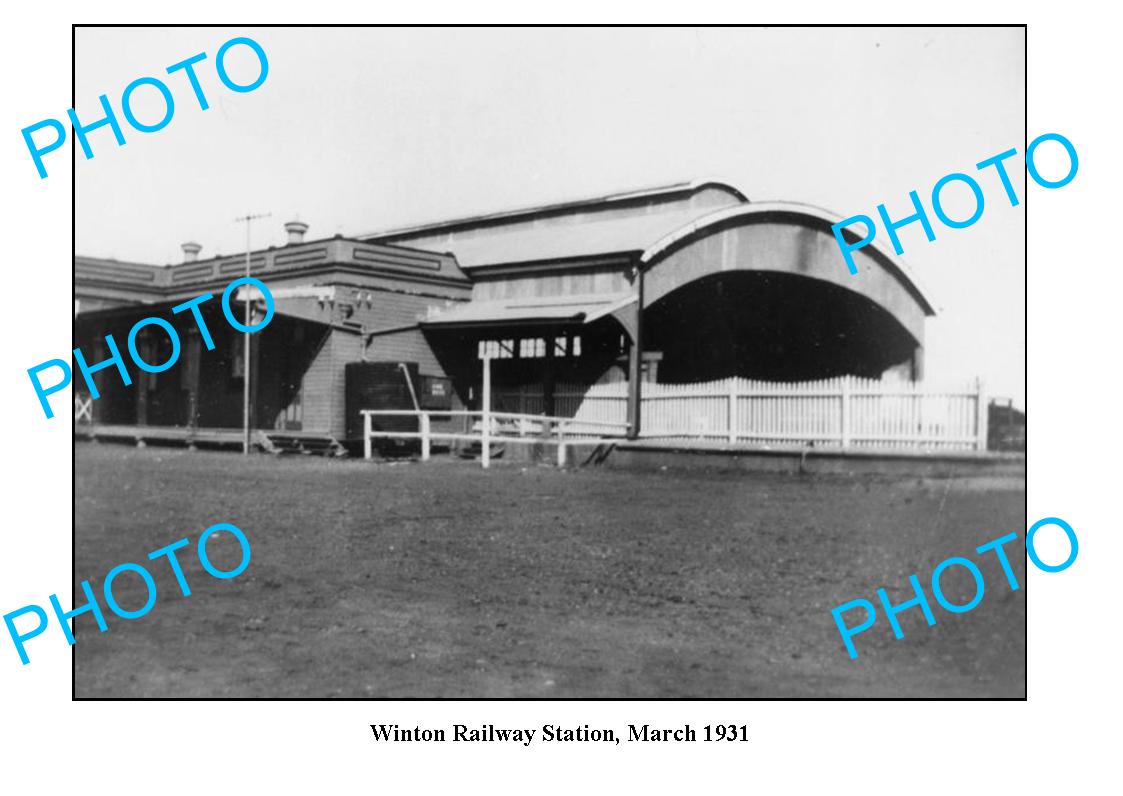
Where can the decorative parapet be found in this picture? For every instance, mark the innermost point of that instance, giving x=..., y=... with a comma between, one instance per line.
x=412, y=264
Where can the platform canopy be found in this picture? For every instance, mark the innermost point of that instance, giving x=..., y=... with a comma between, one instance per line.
x=528, y=311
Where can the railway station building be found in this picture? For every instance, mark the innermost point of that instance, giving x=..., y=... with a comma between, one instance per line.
x=679, y=284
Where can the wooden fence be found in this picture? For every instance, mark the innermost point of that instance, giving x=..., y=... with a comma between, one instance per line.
x=486, y=428
x=845, y=412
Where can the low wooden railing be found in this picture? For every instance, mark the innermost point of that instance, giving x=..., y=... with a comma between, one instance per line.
x=507, y=427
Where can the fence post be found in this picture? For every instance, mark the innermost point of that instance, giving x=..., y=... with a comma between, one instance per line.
x=424, y=436
x=366, y=436
x=485, y=454
x=921, y=400
x=561, y=443
x=845, y=411
x=981, y=411
x=733, y=410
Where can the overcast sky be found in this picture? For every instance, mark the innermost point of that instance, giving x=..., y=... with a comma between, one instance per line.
x=358, y=130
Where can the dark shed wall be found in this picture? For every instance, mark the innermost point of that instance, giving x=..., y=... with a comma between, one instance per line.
x=392, y=318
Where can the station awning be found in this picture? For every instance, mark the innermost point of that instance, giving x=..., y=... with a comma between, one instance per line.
x=524, y=311
x=315, y=303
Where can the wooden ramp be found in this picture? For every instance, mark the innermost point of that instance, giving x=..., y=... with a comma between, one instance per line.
x=474, y=450
x=305, y=444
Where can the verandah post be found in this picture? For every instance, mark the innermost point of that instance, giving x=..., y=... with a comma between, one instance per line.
x=635, y=363
x=485, y=455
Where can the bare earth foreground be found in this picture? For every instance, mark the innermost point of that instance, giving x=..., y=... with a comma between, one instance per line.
x=445, y=580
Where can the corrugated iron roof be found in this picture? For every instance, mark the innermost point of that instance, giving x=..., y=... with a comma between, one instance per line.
x=631, y=222
x=506, y=245
x=657, y=192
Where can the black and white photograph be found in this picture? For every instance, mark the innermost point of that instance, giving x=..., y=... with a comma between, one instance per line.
x=502, y=363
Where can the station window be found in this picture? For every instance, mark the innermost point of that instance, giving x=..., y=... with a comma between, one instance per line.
x=567, y=346
x=532, y=347
x=496, y=349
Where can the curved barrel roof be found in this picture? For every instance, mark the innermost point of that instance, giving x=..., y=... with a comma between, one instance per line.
x=645, y=224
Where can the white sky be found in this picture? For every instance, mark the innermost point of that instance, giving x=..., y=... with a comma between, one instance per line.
x=357, y=130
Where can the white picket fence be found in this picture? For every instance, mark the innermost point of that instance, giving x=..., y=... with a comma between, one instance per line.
x=845, y=412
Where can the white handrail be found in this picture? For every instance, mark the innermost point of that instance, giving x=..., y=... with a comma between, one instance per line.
x=479, y=413
x=559, y=434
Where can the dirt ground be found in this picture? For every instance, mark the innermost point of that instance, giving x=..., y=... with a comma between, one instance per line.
x=445, y=580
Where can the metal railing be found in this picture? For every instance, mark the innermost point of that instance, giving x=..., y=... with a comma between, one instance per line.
x=489, y=427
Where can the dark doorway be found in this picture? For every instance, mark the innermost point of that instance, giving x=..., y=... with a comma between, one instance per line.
x=772, y=327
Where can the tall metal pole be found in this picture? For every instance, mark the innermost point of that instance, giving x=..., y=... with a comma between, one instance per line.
x=635, y=364
x=246, y=375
